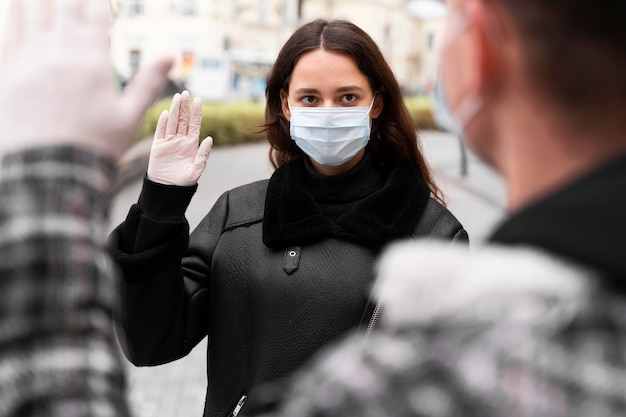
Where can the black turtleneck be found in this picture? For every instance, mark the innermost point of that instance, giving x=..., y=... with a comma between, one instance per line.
x=336, y=194
x=363, y=205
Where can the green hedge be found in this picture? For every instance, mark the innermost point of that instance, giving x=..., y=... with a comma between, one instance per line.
x=420, y=108
x=238, y=122
x=227, y=123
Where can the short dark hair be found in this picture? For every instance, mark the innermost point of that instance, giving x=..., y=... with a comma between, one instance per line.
x=575, y=54
x=394, y=134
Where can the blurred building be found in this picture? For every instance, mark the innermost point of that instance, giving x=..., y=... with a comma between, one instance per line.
x=410, y=44
x=226, y=47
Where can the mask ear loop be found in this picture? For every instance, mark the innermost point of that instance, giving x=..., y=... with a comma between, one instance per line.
x=369, y=109
x=467, y=109
x=470, y=106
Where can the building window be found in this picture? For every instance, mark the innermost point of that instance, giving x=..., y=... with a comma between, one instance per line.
x=134, y=59
x=187, y=61
x=187, y=7
x=134, y=7
x=430, y=41
x=210, y=64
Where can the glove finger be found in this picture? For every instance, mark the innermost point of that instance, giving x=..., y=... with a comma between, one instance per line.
x=67, y=16
x=98, y=15
x=145, y=88
x=172, y=121
x=202, y=156
x=195, y=121
x=14, y=29
x=205, y=147
x=183, y=115
x=159, y=132
x=39, y=17
x=204, y=150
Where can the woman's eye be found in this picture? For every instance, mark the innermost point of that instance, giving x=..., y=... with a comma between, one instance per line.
x=308, y=100
x=349, y=98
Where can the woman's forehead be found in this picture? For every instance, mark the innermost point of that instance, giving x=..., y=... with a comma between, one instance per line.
x=327, y=69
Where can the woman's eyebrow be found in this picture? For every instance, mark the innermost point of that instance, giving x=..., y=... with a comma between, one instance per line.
x=345, y=89
x=306, y=91
x=349, y=88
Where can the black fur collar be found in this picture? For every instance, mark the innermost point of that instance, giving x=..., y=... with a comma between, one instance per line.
x=293, y=216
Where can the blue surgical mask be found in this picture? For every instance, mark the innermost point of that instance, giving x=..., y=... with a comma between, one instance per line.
x=454, y=120
x=330, y=135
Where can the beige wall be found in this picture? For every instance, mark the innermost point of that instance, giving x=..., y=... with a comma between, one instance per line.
x=224, y=40
x=403, y=39
x=254, y=37
x=432, y=42
x=246, y=35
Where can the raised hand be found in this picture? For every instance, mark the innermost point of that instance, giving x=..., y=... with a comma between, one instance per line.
x=176, y=157
x=57, y=80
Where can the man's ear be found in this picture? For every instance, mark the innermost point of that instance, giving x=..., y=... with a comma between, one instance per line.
x=378, y=105
x=491, y=42
x=284, y=104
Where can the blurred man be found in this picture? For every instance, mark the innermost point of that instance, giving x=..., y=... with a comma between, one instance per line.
x=63, y=127
x=534, y=324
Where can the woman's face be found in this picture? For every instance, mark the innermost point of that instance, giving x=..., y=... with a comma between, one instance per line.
x=329, y=79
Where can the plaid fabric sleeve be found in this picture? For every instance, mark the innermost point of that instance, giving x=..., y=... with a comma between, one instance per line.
x=537, y=356
x=58, y=351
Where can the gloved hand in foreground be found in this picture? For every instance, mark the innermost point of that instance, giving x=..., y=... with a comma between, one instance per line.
x=176, y=158
x=58, y=84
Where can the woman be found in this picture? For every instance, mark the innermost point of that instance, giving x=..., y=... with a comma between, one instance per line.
x=280, y=267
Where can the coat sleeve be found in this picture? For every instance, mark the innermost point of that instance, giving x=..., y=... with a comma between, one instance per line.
x=165, y=274
x=437, y=222
x=59, y=354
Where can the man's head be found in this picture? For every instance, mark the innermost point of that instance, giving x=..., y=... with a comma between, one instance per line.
x=574, y=50
x=520, y=64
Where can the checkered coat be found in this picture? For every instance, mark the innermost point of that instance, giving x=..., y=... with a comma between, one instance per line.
x=58, y=351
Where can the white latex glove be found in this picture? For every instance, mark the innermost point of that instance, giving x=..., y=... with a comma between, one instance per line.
x=57, y=81
x=176, y=157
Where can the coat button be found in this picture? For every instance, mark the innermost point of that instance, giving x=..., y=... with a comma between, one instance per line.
x=291, y=259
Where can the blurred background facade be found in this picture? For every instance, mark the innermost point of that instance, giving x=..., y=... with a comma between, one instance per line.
x=226, y=47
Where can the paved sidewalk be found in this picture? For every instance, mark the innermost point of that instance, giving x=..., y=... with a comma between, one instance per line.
x=177, y=389
x=478, y=198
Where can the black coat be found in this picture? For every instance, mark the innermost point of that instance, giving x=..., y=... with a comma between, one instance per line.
x=268, y=291
x=581, y=221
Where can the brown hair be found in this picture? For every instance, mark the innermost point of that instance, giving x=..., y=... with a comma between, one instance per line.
x=393, y=135
x=575, y=55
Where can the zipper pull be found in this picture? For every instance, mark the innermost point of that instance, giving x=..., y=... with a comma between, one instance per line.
x=374, y=319
x=239, y=405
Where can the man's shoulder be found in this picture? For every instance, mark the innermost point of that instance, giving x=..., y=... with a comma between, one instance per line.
x=430, y=282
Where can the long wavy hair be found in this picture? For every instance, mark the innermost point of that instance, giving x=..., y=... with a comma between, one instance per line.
x=393, y=135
